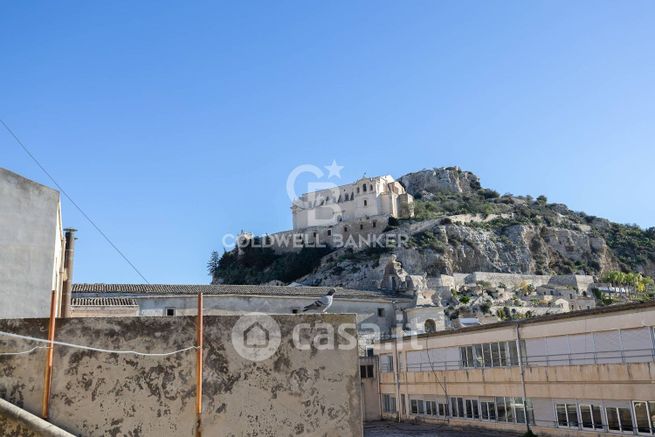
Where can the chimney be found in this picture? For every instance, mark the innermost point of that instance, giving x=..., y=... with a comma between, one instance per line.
x=67, y=289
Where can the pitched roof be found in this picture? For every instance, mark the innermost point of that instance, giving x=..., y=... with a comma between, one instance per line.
x=103, y=301
x=254, y=290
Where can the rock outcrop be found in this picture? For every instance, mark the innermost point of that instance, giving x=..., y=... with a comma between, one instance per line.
x=440, y=180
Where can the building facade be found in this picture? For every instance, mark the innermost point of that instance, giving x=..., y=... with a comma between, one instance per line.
x=581, y=373
x=31, y=247
x=363, y=200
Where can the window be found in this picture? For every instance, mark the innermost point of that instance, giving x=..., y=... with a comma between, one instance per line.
x=413, y=406
x=500, y=405
x=495, y=355
x=170, y=311
x=370, y=352
x=388, y=403
x=472, y=411
x=421, y=407
x=477, y=355
x=373, y=224
x=380, y=312
x=403, y=404
x=364, y=187
x=487, y=354
x=345, y=228
x=386, y=363
x=488, y=410
x=645, y=416
x=567, y=415
x=365, y=202
x=442, y=409
x=295, y=311
x=503, y=353
x=366, y=371
x=590, y=417
x=619, y=419
x=431, y=408
x=329, y=232
x=361, y=226
x=513, y=353
x=430, y=326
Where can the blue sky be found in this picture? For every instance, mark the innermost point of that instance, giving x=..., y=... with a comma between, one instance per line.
x=172, y=125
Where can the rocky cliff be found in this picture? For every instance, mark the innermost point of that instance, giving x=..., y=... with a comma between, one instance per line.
x=462, y=227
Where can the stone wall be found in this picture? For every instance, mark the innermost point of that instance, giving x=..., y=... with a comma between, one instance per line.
x=294, y=392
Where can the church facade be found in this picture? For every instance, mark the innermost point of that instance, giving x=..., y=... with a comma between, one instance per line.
x=361, y=201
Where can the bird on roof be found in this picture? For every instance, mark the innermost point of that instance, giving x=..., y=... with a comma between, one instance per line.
x=322, y=304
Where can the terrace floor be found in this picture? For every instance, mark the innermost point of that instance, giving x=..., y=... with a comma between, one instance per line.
x=394, y=429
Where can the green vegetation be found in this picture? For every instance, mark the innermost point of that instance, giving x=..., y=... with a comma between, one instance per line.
x=260, y=265
x=632, y=245
x=427, y=240
x=637, y=281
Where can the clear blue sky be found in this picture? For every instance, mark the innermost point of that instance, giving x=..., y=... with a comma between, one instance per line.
x=174, y=123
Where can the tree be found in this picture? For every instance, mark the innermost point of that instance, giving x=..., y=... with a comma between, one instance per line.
x=213, y=264
x=542, y=200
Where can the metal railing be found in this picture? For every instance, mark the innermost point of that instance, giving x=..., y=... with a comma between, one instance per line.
x=598, y=357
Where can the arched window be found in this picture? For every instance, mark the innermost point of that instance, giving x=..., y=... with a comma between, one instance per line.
x=364, y=188
x=365, y=202
x=430, y=326
x=345, y=228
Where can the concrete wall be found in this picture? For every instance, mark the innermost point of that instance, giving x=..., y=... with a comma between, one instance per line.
x=365, y=310
x=17, y=422
x=30, y=246
x=295, y=392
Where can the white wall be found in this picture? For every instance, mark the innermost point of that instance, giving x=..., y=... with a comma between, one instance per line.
x=30, y=246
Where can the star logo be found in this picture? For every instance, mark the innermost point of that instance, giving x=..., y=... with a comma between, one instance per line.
x=334, y=169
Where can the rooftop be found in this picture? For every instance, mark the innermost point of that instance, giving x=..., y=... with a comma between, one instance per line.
x=541, y=319
x=252, y=290
x=104, y=301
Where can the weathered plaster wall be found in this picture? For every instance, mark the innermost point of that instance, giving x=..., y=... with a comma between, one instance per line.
x=295, y=392
x=30, y=246
x=16, y=422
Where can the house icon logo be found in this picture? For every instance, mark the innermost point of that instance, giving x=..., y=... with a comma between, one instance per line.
x=256, y=336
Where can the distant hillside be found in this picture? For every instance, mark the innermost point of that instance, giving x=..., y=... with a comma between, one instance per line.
x=459, y=226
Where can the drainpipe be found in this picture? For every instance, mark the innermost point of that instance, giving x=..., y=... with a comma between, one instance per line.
x=67, y=289
x=396, y=374
x=522, y=367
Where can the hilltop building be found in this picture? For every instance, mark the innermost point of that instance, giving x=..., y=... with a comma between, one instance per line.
x=366, y=199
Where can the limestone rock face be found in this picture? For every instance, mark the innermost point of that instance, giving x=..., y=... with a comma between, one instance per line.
x=440, y=180
x=522, y=249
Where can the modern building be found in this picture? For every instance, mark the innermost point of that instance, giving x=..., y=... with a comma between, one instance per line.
x=581, y=373
x=32, y=247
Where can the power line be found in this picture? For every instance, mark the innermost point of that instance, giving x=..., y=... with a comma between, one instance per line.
x=89, y=348
x=29, y=351
x=111, y=243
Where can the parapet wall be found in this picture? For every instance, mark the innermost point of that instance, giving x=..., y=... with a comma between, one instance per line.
x=302, y=392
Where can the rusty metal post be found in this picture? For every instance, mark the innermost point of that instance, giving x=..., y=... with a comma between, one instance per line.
x=47, y=378
x=199, y=344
